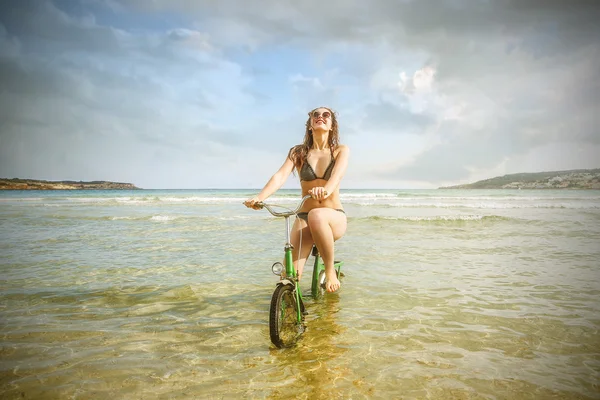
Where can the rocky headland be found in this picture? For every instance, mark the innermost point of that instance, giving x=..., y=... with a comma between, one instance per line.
x=572, y=179
x=33, y=184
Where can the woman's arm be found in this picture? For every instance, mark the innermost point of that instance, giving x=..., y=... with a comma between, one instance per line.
x=341, y=163
x=273, y=185
x=277, y=180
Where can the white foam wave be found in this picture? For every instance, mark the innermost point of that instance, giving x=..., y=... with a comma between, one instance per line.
x=481, y=205
x=235, y=218
x=91, y=199
x=375, y=198
x=509, y=198
x=203, y=199
x=443, y=218
x=435, y=218
x=368, y=195
x=13, y=199
x=162, y=218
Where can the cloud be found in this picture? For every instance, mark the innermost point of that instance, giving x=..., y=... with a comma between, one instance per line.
x=458, y=152
x=64, y=77
x=386, y=117
x=420, y=82
x=448, y=87
x=299, y=80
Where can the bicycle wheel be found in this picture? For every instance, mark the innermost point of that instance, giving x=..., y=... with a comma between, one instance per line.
x=284, y=326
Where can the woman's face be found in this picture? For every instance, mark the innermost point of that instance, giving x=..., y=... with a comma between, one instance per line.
x=321, y=119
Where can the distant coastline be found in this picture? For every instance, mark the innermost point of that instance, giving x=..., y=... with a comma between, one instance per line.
x=571, y=179
x=36, y=184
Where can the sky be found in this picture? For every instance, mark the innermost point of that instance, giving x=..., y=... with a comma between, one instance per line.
x=174, y=94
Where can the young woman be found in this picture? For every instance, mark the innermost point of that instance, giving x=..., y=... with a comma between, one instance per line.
x=321, y=163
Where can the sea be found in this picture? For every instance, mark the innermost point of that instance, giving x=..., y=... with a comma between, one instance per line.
x=165, y=294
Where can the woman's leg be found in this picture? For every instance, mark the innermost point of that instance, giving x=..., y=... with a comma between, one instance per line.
x=326, y=226
x=301, y=251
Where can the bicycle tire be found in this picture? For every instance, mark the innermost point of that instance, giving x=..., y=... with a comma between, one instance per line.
x=284, y=327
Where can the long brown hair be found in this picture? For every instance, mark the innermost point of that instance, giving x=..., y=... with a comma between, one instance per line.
x=299, y=153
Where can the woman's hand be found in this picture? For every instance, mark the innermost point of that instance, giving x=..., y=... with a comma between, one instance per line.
x=318, y=193
x=253, y=203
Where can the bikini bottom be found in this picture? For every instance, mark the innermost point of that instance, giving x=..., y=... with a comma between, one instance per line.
x=304, y=215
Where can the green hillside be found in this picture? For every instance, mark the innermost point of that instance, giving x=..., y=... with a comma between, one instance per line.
x=36, y=184
x=571, y=179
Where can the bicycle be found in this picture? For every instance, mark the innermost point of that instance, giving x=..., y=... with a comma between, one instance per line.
x=287, y=311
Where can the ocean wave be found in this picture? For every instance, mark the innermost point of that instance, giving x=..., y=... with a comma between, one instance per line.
x=500, y=198
x=162, y=218
x=176, y=199
x=360, y=202
x=474, y=205
x=438, y=218
x=183, y=218
x=202, y=199
x=391, y=198
x=368, y=195
x=234, y=218
x=13, y=199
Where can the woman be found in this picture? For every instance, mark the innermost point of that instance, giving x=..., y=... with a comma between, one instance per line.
x=321, y=163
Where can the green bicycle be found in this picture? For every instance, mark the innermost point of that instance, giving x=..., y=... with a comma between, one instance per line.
x=287, y=312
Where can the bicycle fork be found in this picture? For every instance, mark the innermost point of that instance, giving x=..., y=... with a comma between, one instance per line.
x=292, y=278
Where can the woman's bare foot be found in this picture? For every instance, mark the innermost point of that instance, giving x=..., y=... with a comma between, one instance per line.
x=332, y=282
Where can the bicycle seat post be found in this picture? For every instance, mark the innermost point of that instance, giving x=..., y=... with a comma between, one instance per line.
x=287, y=233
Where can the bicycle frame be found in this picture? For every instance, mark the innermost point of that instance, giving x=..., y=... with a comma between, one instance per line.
x=318, y=267
x=290, y=272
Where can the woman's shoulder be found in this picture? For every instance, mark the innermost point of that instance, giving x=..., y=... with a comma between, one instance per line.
x=341, y=149
x=295, y=154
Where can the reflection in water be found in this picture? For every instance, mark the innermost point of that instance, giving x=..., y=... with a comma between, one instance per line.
x=312, y=362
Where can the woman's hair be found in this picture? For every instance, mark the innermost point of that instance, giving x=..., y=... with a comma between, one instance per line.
x=299, y=153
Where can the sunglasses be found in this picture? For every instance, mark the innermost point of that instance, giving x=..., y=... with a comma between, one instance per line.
x=316, y=114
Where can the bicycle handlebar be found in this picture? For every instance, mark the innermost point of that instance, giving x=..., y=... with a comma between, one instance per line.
x=283, y=214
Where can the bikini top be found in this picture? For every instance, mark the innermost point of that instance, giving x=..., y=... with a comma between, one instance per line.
x=307, y=173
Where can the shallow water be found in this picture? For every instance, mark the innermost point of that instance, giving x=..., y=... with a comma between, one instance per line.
x=447, y=294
